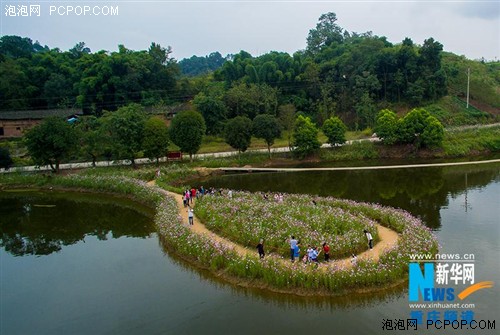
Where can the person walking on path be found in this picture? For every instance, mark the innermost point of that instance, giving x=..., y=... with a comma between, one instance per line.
x=190, y=215
x=369, y=237
x=260, y=248
x=293, y=244
x=193, y=194
x=326, y=251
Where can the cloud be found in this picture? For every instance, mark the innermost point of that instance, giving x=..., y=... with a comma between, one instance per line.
x=482, y=10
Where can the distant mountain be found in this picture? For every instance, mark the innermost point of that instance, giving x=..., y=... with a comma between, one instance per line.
x=196, y=65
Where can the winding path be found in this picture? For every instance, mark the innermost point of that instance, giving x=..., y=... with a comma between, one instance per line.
x=388, y=237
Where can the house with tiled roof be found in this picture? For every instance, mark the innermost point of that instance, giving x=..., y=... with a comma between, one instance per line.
x=15, y=123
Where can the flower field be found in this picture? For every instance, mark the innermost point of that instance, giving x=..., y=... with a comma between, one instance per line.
x=248, y=217
x=340, y=225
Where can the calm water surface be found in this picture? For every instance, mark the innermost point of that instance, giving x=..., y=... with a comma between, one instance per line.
x=91, y=266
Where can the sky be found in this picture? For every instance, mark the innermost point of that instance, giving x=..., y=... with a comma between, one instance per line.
x=199, y=27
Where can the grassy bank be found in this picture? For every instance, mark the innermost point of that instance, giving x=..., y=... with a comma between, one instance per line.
x=466, y=142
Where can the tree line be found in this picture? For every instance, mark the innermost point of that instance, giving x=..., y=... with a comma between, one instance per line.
x=129, y=134
x=36, y=77
x=340, y=73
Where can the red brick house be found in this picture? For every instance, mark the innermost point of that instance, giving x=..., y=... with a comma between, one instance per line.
x=15, y=123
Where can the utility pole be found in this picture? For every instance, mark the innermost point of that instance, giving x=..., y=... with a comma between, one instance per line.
x=468, y=80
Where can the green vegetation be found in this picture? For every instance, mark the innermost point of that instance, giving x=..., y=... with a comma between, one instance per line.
x=357, y=151
x=187, y=130
x=125, y=129
x=247, y=218
x=418, y=128
x=156, y=139
x=238, y=133
x=452, y=111
x=335, y=130
x=5, y=159
x=196, y=66
x=343, y=75
x=464, y=142
x=51, y=142
x=305, y=137
x=266, y=127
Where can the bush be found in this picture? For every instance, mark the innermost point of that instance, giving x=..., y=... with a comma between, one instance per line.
x=238, y=133
x=5, y=159
x=335, y=130
x=305, y=137
x=386, y=126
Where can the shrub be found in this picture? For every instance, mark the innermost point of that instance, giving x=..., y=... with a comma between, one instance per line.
x=335, y=130
x=305, y=137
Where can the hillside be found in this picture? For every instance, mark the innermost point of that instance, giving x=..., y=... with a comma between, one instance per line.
x=348, y=74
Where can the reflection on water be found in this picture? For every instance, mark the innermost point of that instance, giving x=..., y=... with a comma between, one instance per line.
x=32, y=224
x=423, y=191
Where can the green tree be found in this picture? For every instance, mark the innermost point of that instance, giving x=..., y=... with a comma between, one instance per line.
x=305, y=137
x=126, y=129
x=413, y=125
x=326, y=32
x=421, y=129
x=335, y=130
x=268, y=128
x=433, y=133
x=156, y=140
x=51, y=141
x=386, y=126
x=214, y=112
x=251, y=100
x=94, y=142
x=187, y=130
x=287, y=118
x=5, y=159
x=238, y=133
x=15, y=86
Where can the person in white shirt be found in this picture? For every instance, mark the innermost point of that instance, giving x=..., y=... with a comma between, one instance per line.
x=369, y=237
x=190, y=215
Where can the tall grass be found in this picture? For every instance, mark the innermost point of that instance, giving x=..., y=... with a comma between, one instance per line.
x=463, y=142
x=356, y=151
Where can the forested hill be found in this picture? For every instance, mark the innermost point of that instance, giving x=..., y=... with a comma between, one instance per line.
x=195, y=65
x=36, y=77
x=351, y=75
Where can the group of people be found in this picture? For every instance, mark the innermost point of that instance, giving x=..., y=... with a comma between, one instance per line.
x=278, y=197
x=312, y=252
x=193, y=193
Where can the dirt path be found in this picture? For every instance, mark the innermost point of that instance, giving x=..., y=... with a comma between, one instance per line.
x=388, y=237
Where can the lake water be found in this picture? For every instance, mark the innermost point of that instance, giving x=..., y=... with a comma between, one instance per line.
x=83, y=264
